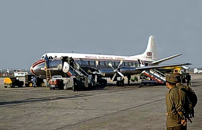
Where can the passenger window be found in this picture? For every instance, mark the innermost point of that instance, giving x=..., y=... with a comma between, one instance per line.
x=107, y=63
x=112, y=63
x=126, y=63
x=92, y=63
x=130, y=63
x=78, y=61
x=84, y=62
x=102, y=63
x=135, y=64
x=117, y=63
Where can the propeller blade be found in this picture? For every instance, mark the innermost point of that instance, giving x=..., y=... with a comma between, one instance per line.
x=120, y=64
x=114, y=77
x=120, y=74
x=110, y=64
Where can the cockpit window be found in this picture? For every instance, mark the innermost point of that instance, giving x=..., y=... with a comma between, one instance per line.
x=50, y=57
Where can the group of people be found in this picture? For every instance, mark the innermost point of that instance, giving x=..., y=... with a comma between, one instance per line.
x=180, y=101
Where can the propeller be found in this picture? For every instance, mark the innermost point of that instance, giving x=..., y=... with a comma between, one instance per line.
x=117, y=70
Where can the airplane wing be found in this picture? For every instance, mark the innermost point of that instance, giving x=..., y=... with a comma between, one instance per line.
x=161, y=66
x=165, y=59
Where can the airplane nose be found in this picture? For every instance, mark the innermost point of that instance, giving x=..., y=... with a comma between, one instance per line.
x=32, y=70
x=35, y=68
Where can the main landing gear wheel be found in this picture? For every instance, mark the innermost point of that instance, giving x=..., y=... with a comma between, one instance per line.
x=120, y=83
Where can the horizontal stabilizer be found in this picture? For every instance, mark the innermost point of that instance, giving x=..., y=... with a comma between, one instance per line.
x=165, y=59
x=161, y=66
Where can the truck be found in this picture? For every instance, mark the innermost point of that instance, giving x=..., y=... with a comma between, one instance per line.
x=59, y=82
x=12, y=82
x=56, y=81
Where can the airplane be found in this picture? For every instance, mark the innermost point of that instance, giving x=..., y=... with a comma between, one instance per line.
x=196, y=71
x=115, y=67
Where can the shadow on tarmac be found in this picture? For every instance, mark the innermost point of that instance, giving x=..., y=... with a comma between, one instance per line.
x=32, y=100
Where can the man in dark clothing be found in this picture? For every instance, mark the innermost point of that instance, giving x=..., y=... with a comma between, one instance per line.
x=71, y=61
x=188, y=78
x=47, y=61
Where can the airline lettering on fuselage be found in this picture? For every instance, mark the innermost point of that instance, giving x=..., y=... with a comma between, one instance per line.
x=103, y=57
x=91, y=57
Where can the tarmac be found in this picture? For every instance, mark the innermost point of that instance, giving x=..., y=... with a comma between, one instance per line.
x=110, y=108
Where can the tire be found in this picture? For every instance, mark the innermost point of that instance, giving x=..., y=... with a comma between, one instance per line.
x=91, y=85
x=42, y=84
x=30, y=84
x=73, y=88
x=5, y=86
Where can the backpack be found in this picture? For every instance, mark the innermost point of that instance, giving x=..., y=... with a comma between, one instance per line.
x=190, y=101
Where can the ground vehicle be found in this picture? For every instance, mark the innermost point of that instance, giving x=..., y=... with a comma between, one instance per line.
x=56, y=82
x=29, y=82
x=12, y=82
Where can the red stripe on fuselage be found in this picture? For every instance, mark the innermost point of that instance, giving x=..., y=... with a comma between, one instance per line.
x=37, y=63
x=69, y=73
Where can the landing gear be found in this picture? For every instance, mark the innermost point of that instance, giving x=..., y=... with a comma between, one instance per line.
x=120, y=83
x=75, y=86
x=102, y=82
x=129, y=77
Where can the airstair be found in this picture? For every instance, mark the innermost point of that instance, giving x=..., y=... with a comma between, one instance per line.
x=81, y=75
x=155, y=75
x=48, y=73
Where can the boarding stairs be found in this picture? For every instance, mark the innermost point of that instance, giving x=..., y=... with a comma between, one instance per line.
x=48, y=72
x=73, y=71
x=155, y=75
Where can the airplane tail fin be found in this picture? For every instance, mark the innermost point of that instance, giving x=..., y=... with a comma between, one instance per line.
x=195, y=70
x=150, y=52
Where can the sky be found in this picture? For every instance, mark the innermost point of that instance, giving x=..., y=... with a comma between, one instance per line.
x=30, y=28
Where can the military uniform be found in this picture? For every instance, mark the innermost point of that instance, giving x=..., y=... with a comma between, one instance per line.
x=174, y=100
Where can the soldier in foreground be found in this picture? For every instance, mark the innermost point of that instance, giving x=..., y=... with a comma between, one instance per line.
x=176, y=119
x=191, y=95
